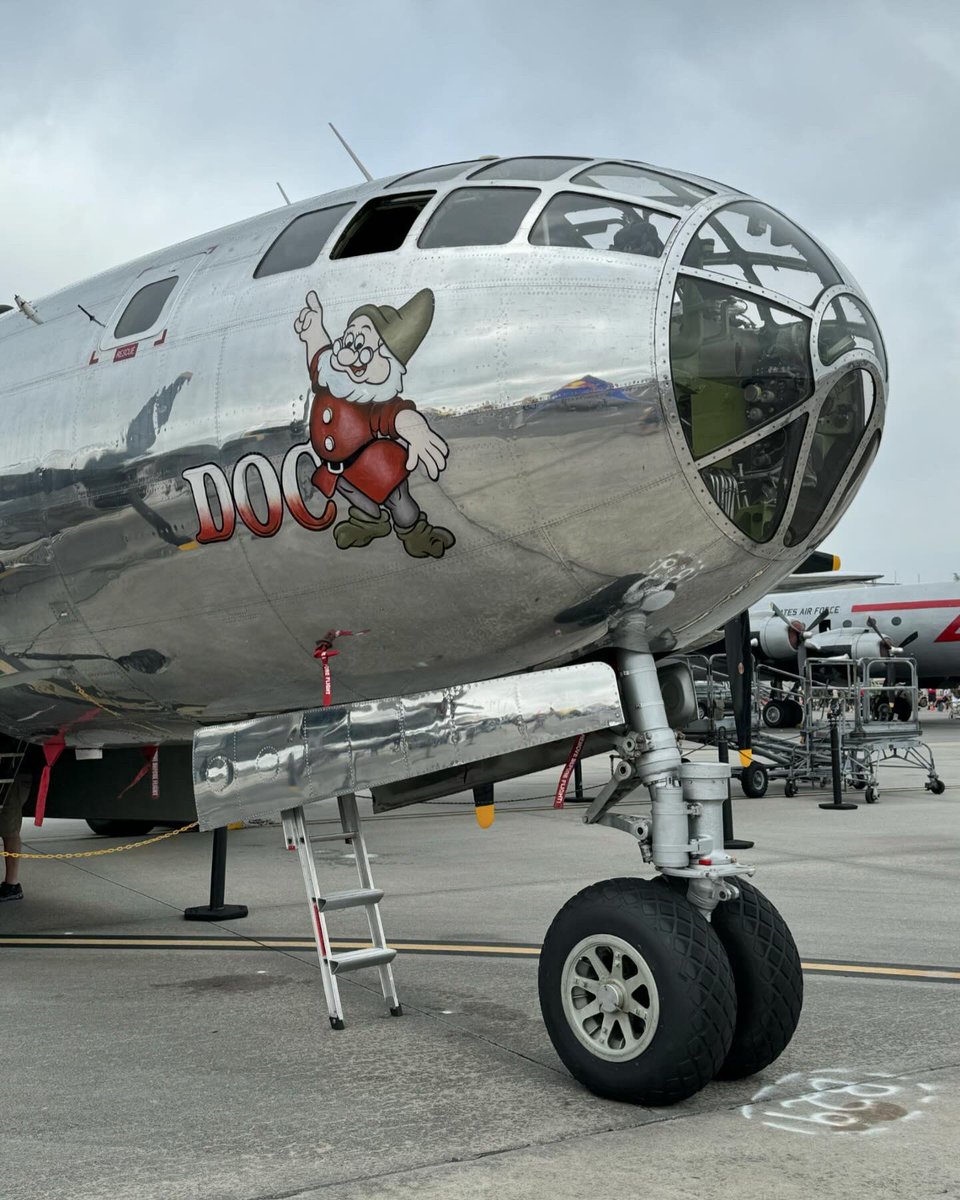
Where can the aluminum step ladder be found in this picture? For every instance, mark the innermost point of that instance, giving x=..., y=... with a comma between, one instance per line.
x=10, y=763
x=366, y=896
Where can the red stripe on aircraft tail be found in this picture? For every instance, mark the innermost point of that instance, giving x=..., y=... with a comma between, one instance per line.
x=951, y=633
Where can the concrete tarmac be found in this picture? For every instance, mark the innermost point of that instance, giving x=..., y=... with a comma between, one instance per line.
x=150, y=1058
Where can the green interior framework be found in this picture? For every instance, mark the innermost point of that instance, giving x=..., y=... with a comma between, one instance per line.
x=741, y=362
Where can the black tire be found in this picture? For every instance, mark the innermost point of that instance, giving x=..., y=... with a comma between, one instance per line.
x=119, y=828
x=902, y=709
x=789, y=789
x=693, y=981
x=754, y=780
x=871, y=795
x=775, y=714
x=795, y=714
x=769, y=980
x=937, y=786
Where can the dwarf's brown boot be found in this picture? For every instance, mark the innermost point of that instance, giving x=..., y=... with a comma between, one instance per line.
x=359, y=529
x=424, y=540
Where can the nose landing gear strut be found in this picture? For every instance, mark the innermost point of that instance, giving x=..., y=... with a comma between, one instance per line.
x=651, y=988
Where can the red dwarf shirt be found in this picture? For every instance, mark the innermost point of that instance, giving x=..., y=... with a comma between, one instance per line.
x=361, y=437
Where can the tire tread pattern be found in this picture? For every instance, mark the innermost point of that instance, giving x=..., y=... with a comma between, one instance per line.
x=685, y=1060
x=768, y=976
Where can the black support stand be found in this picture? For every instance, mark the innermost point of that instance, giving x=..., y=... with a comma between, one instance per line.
x=483, y=794
x=729, y=841
x=216, y=910
x=837, y=804
x=578, y=781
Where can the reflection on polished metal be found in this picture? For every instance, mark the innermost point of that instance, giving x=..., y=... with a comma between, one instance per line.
x=619, y=396
x=262, y=767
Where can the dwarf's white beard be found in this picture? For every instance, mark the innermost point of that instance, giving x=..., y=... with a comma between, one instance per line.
x=342, y=384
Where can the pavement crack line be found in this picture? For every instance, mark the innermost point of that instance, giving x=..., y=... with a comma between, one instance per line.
x=433, y=1016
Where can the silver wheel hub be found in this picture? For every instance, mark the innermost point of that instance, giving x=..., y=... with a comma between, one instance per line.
x=610, y=997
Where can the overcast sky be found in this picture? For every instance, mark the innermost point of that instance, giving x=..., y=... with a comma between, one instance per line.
x=125, y=128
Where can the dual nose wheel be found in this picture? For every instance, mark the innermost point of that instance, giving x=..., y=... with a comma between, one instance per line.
x=646, y=1001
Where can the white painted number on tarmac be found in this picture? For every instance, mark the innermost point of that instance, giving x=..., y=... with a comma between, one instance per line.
x=838, y=1101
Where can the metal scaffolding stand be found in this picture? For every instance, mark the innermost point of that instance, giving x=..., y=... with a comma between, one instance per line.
x=857, y=715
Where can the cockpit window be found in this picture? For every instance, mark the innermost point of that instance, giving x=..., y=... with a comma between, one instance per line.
x=752, y=485
x=381, y=226
x=145, y=308
x=856, y=476
x=738, y=361
x=532, y=169
x=587, y=222
x=843, y=418
x=848, y=325
x=643, y=183
x=478, y=216
x=754, y=244
x=299, y=245
x=436, y=174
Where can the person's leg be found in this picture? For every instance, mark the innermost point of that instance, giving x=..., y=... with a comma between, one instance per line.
x=11, y=818
x=12, y=844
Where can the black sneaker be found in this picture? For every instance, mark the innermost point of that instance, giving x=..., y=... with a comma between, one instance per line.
x=10, y=891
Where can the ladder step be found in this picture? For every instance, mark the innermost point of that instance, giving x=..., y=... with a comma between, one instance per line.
x=342, y=836
x=353, y=898
x=353, y=960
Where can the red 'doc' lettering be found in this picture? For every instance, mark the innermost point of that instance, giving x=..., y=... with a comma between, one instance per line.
x=219, y=501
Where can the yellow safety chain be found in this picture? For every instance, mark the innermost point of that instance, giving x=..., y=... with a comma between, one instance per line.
x=109, y=850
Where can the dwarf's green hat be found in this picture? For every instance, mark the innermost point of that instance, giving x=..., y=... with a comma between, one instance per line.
x=402, y=329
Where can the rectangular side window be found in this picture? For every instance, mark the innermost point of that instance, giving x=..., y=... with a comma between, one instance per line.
x=478, y=216
x=145, y=307
x=381, y=226
x=572, y=219
x=299, y=245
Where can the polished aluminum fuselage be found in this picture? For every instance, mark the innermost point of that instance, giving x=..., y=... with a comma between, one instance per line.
x=576, y=527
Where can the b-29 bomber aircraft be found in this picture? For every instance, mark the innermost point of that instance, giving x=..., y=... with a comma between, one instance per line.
x=291, y=499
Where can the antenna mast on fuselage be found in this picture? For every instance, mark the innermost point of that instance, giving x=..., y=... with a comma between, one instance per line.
x=344, y=144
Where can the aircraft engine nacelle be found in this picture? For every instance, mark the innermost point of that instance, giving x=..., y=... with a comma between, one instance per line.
x=776, y=640
x=847, y=643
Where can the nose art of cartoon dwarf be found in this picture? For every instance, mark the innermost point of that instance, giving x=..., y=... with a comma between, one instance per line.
x=367, y=436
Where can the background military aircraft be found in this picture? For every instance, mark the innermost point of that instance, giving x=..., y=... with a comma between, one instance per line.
x=873, y=620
